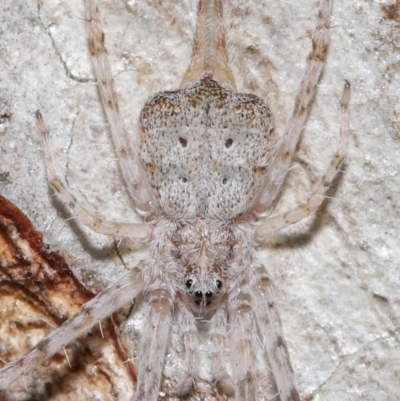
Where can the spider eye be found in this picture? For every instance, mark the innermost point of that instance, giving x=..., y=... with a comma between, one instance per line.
x=189, y=283
x=209, y=294
x=219, y=284
x=198, y=294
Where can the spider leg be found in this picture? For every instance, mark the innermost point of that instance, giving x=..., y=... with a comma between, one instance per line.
x=281, y=159
x=127, y=152
x=281, y=221
x=154, y=344
x=88, y=217
x=104, y=304
x=242, y=335
x=190, y=340
x=270, y=328
x=218, y=334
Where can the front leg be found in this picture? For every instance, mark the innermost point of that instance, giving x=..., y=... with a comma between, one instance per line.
x=120, y=293
x=186, y=321
x=154, y=344
x=270, y=328
x=242, y=337
x=218, y=333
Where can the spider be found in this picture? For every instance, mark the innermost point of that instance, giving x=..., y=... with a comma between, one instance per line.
x=205, y=172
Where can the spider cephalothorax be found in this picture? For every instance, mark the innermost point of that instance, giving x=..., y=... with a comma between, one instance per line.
x=204, y=257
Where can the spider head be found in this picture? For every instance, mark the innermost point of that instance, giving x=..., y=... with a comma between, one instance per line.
x=203, y=293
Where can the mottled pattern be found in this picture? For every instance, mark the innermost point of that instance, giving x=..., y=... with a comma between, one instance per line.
x=205, y=150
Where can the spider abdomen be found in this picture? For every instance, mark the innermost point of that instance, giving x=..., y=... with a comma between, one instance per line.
x=205, y=149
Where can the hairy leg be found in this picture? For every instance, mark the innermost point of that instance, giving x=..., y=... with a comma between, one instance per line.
x=242, y=336
x=281, y=221
x=218, y=333
x=154, y=344
x=270, y=328
x=103, y=305
x=281, y=160
x=88, y=217
x=189, y=330
x=127, y=153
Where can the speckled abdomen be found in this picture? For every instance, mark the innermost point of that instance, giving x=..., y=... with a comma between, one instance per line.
x=205, y=150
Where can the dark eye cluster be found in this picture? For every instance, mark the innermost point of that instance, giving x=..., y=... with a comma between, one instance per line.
x=189, y=284
x=200, y=298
